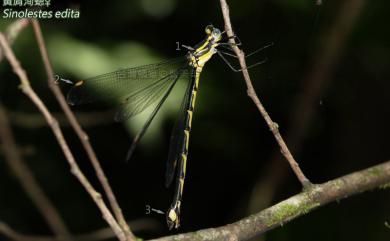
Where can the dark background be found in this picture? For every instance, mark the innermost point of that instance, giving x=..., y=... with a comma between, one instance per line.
x=231, y=149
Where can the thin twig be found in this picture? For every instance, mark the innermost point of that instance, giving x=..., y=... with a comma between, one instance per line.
x=13, y=30
x=34, y=120
x=28, y=181
x=311, y=198
x=11, y=234
x=81, y=134
x=26, y=88
x=145, y=224
x=315, y=82
x=252, y=94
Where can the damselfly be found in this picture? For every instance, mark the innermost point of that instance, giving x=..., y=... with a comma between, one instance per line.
x=138, y=88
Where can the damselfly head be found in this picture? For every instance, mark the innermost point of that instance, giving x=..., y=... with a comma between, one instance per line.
x=214, y=33
x=217, y=35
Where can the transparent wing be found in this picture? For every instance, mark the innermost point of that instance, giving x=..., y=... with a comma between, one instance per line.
x=151, y=117
x=134, y=89
x=177, y=139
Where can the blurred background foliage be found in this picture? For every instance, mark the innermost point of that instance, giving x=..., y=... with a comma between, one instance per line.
x=231, y=148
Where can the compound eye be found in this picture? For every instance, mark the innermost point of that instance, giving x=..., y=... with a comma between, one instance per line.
x=216, y=32
x=209, y=29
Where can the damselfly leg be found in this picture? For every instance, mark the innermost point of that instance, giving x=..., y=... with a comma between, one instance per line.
x=228, y=46
x=136, y=89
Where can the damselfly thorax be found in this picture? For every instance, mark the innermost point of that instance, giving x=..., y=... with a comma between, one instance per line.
x=135, y=89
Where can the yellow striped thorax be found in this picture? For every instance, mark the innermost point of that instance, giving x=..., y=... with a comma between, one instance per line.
x=205, y=49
